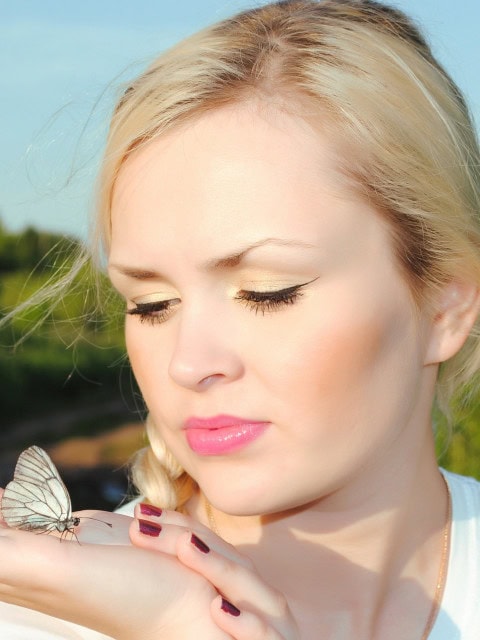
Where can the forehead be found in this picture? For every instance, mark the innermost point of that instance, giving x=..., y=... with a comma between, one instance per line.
x=229, y=141
x=233, y=172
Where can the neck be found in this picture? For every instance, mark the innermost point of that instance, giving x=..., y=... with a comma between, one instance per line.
x=358, y=558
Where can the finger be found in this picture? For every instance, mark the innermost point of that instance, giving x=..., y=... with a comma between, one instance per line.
x=70, y=581
x=235, y=579
x=241, y=624
x=148, y=513
x=151, y=512
x=154, y=534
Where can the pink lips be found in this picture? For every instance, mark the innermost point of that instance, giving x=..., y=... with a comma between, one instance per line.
x=222, y=434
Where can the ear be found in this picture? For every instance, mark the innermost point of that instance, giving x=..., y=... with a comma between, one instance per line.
x=457, y=308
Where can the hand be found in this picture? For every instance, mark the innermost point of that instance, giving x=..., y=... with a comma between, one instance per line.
x=248, y=608
x=117, y=589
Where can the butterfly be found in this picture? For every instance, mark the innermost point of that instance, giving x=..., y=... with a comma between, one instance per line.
x=37, y=499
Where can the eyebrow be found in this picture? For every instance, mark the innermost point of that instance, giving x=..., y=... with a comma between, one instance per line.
x=215, y=264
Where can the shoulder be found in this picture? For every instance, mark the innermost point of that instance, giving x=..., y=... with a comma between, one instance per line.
x=465, y=494
x=459, y=616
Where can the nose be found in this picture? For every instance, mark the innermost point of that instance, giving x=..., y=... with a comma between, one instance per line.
x=204, y=352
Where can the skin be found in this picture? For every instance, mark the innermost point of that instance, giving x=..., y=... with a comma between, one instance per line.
x=345, y=476
x=91, y=583
x=353, y=335
x=330, y=523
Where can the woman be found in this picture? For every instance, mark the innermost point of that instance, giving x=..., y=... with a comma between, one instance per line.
x=289, y=206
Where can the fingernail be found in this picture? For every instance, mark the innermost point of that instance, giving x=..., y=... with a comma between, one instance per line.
x=150, y=510
x=200, y=544
x=149, y=528
x=230, y=608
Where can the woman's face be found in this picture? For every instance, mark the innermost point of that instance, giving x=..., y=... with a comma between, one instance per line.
x=271, y=333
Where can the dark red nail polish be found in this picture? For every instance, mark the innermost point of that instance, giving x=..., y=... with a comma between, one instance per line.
x=149, y=528
x=230, y=608
x=200, y=544
x=150, y=510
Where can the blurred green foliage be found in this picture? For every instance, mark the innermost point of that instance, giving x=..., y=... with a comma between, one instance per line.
x=67, y=349
x=27, y=249
x=458, y=446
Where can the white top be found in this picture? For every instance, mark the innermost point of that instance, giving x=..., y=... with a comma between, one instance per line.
x=458, y=618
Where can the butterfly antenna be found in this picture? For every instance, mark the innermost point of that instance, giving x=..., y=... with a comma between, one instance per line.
x=109, y=524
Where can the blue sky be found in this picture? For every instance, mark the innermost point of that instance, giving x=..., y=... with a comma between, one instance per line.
x=62, y=59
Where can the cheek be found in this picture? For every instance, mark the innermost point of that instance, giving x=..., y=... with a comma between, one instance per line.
x=344, y=389
x=346, y=361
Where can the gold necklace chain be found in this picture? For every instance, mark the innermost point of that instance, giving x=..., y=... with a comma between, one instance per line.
x=442, y=570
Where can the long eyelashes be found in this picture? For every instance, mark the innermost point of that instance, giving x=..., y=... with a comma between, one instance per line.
x=153, y=312
x=264, y=301
x=258, y=301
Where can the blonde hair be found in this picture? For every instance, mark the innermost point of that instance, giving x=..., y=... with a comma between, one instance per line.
x=364, y=68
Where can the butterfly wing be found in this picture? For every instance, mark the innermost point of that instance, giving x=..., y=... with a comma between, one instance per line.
x=37, y=499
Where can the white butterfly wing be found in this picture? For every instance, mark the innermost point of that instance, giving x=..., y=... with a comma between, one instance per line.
x=34, y=465
x=37, y=499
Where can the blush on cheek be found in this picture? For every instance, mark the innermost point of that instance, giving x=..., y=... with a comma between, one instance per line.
x=347, y=361
x=338, y=354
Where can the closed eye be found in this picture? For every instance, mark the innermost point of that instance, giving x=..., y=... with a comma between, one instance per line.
x=157, y=312
x=153, y=312
x=265, y=301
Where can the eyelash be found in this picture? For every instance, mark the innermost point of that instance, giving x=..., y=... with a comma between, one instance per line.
x=258, y=301
x=152, y=312
x=265, y=301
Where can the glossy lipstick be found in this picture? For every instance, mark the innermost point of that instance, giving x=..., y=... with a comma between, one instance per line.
x=222, y=434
